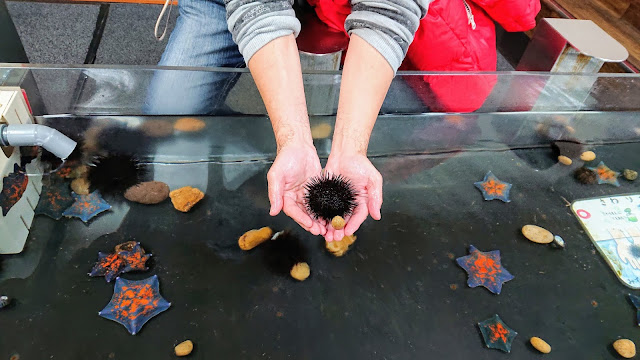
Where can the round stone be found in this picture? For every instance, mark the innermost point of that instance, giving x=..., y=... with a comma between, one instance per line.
x=537, y=234
x=626, y=348
x=588, y=156
x=630, y=174
x=150, y=192
x=300, y=271
x=184, y=348
x=540, y=345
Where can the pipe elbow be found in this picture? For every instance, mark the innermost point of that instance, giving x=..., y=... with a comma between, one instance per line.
x=33, y=134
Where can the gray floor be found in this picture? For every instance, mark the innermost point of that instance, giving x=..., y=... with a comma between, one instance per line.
x=61, y=33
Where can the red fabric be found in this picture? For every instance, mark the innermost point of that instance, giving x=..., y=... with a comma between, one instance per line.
x=445, y=41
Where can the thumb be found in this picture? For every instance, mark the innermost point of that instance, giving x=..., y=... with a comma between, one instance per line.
x=276, y=193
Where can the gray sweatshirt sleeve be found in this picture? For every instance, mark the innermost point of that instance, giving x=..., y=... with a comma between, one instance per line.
x=387, y=25
x=255, y=23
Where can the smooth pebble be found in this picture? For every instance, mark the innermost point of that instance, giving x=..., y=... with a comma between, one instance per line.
x=537, y=234
x=564, y=160
x=588, y=156
x=626, y=348
x=540, y=345
x=184, y=348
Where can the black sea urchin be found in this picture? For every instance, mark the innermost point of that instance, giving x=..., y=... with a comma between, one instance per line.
x=114, y=174
x=329, y=196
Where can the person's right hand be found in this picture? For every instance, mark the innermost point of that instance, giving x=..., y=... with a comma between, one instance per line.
x=294, y=165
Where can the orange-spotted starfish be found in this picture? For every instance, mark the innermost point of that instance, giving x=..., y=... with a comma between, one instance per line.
x=492, y=188
x=496, y=334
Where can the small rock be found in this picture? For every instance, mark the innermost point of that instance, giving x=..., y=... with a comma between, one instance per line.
x=540, y=345
x=588, y=156
x=321, y=131
x=126, y=246
x=80, y=186
x=253, y=238
x=626, y=348
x=184, y=348
x=537, y=234
x=150, y=192
x=586, y=176
x=337, y=222
x=300, y=271
x=558, y=242
x=4, y=301
x=339, y=248
x=185, y=198
x=564, y=160
x=157, y=128
x=630, y=174
x=189, y=125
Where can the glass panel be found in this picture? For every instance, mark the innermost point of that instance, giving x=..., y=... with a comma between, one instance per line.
x=397, y=293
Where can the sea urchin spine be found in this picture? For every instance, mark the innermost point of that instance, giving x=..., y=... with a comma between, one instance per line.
x=329, y=196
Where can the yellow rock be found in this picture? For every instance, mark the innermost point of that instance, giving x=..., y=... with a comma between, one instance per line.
x=253, y=238
x=537, y=234
x=540, y=345
x=564, y=160
x=339, y=248
x=300, y=271
x=80, y=186
x=184, y=348
x=588, y=156
x=626, y=348
x=337, y=223
x=185, y=198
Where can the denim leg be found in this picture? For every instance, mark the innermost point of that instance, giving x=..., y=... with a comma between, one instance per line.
x=200, y=38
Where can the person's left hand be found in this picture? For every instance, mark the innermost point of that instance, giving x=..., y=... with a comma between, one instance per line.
x=366, y=181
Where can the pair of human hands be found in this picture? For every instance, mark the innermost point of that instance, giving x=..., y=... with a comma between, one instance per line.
x=295, y=164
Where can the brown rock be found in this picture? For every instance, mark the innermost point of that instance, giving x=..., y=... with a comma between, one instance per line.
x=339, y=248
x=564, y=160
x=253, y=238
x=586, y=176
x=537, y=234
x=150, y=192
x=80, y=186
x=157, y=128
x=540, y=345
x=626, y=348
x=184, y=348
x=185, y=198
x=588, y=156
x=126, y=246
x=337, y=223
x=189, y=125
x=300, y=271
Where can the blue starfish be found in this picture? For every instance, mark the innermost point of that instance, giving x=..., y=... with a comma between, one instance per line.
x=13, y=186
x=55, y=199
x=135, y=302
x=496, y=334
x=87, y=206
x=635, y=300
x=492, y=188
x=484, y=269
x=604, y=175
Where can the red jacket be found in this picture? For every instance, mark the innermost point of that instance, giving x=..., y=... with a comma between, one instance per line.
x=447, y=41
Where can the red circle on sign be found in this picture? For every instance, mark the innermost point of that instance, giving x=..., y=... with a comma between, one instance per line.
x=583, y=214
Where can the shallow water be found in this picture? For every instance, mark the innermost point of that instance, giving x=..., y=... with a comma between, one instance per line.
x=391, y=296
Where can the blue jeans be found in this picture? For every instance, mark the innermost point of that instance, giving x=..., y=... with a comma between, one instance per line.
x=201, y=39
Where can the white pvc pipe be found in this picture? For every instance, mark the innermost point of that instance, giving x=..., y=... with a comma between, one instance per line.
x=40, y=135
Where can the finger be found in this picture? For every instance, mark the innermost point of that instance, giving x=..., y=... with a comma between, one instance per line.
x=292, y=210
x=276, y=191
x=338, y=235
x=374, y=190
x=357, y=218
x=328, y=236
